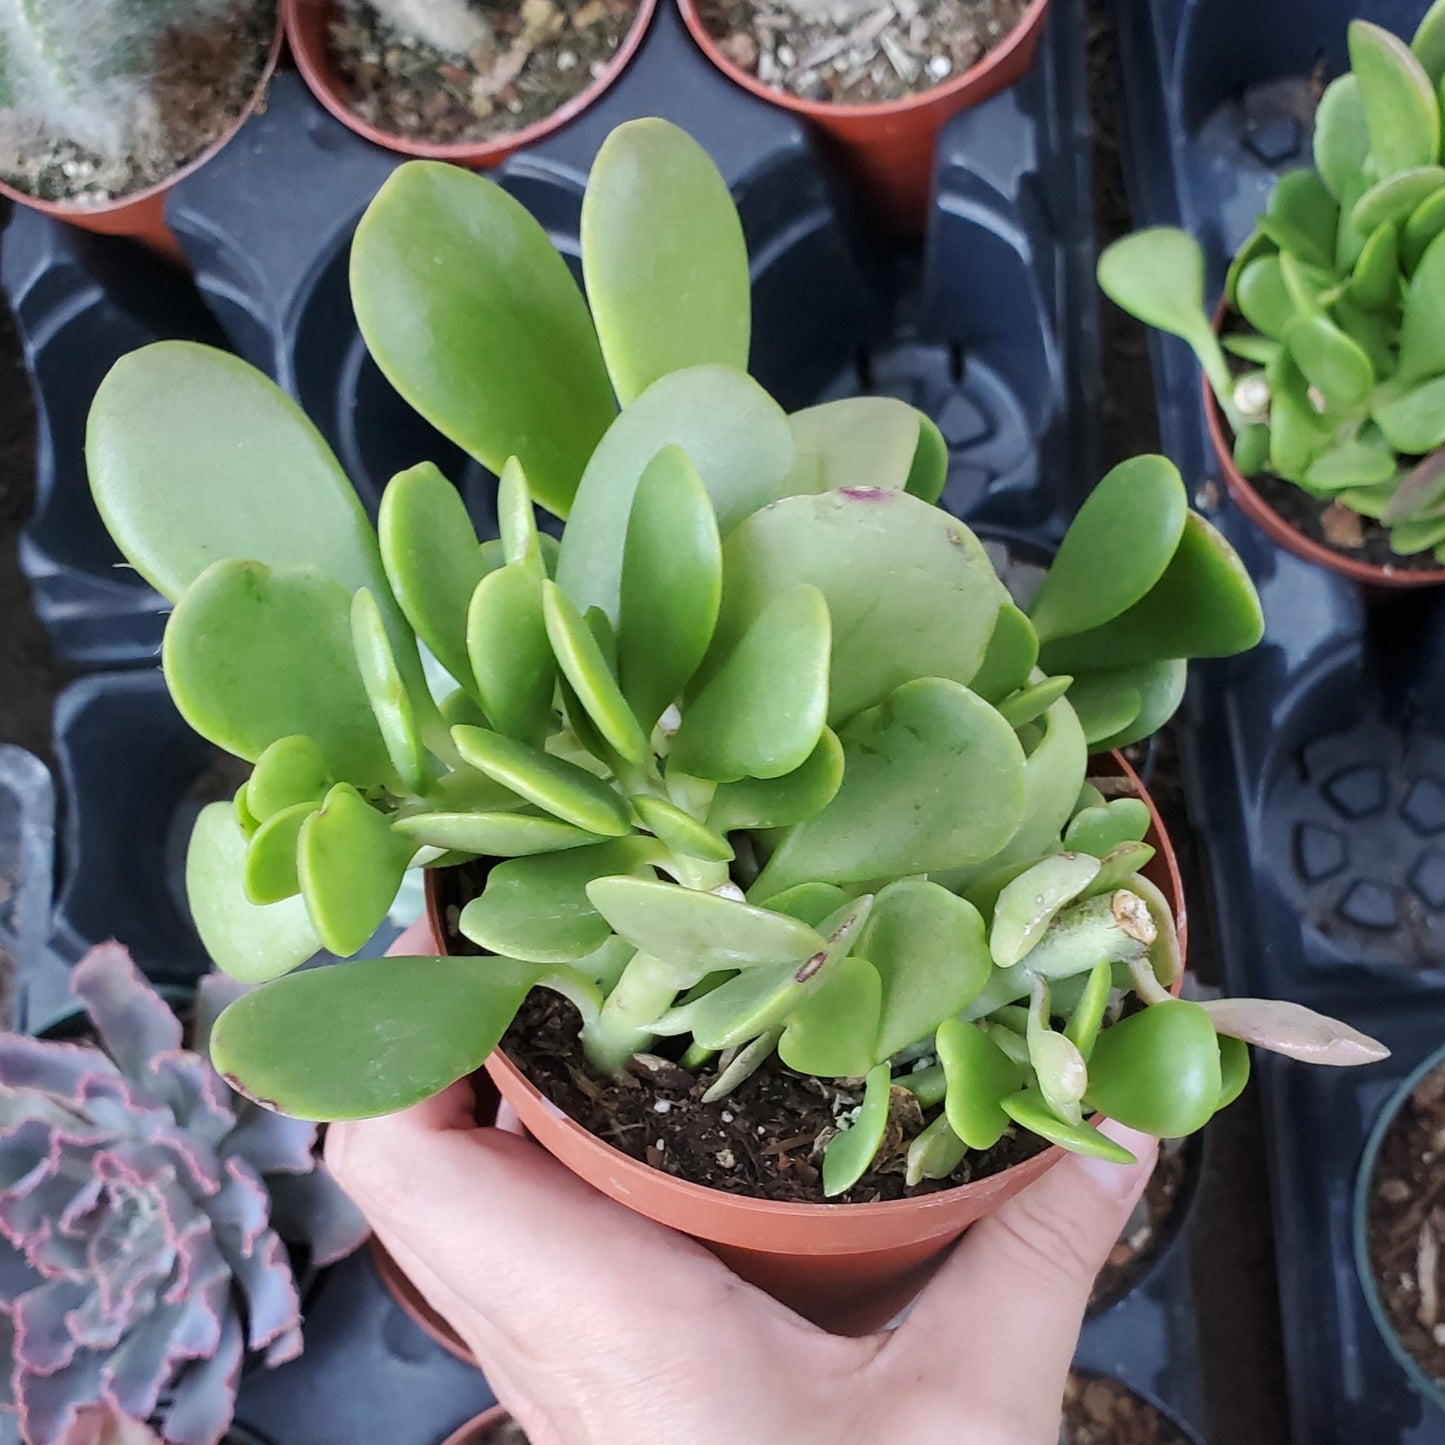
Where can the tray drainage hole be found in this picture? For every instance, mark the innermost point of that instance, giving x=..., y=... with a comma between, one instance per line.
x=957, y=364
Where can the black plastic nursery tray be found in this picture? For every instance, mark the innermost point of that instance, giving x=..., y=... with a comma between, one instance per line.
x=991, y=328
x=1314, y=766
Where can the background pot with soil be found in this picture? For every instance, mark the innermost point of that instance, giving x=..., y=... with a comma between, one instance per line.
x=495, y=1427
x=878, y=79
x=1399, y=1226
x=450, y=80
x=1326, y=412
x=107, y=106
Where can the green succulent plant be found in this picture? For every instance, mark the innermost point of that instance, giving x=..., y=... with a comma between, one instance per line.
x=763, y=755
x=1336, y=302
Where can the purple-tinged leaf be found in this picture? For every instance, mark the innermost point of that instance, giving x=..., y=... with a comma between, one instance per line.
x=1293, y=1030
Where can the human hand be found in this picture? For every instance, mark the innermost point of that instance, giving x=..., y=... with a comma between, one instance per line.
x=596, y=1326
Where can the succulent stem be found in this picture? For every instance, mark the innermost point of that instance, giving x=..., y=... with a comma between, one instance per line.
x=623, y=1027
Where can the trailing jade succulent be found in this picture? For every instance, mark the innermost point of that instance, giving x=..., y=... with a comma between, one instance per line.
x=1336, y=303
x=143, y=1209
x=765, y=758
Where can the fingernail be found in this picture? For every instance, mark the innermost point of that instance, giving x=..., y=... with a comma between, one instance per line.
x=1118, y=1180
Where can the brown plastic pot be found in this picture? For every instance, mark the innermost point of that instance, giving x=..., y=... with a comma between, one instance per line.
x=1254, y=506
x=413, y=1303
x=142, y=214
x=478, y=1431
x=887, y=148
x=307, y=25
x=849, y=1267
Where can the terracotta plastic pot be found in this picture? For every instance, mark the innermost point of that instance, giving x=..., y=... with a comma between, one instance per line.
x=849, y=1267
x=887, y=148
x=307, y=26
x=475, y=1432
x=413, y=1304
x=142, y=214
x=1429, y=1387
x=1292, y=540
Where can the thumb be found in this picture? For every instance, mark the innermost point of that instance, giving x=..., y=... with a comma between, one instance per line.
x=1016, y=1287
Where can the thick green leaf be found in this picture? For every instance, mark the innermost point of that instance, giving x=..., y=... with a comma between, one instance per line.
x=390, y=702
x=271, y=872
x=493, y=834
x=831, y=1034
x=351, y=865
x=1106, y=826
x=253, y=655
x=1428, y=43
x=1256, y=246
x=1351, y=464
x=929, y=948
x=1303, y=217
x=1088, y=1014
x=1233, y=1070
x=1341, y=140
x=1408, y=538
x=1426, y=222
x=1331, y=362
x=1402, y=113
x=1421, y=493
x=910, y=591
x=933, y=779
x=1158, y=1070
x=750, y=1005
x=848, y=1155
x=433, y=561
x=360, y=1039
x=475, y=319
x=733, y=432
x=935, y=1153
x=1264, y=299
x=1297, y=434
x=929, y=473
x=1394, y=198
x=1106, y=702
x=1203, y=606
x=663, y=257
x=1160, y=686
x=195, y=457
x=1376, y=279
x=554, y=784
x=1008, y=662
x=683, y=924
x=1030, y=903
x=1415, y=422
x=248, y=942
x=814, y=903
x=1031, y=703
x=1029, y=1109
x=980, y=1076
x=1306, y=283
x=680, y=831
x=1115, y=550
x=586, y=669
x=291, y=770
x=862, y=441
x=1422, y=346
x=1259, y=349
x=245, y=819
x=779, y=802
x=511, y=654
x=537, y=908
x=517, y=519
x=761, y=713
x=671, y=585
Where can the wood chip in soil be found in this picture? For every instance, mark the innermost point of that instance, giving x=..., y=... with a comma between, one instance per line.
x=1147, y=1229
x=541, y=54
x=858, y=52
x=1101, y=1411
x=205, y=79
x=1406, y=1224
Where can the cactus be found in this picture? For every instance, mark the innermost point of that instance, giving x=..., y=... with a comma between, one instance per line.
x=80, y=72
x=451, y=26
x=769, y=760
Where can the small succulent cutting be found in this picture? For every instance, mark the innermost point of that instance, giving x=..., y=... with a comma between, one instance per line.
x=764, y=758
x=1336, y=302
x=145, y=1214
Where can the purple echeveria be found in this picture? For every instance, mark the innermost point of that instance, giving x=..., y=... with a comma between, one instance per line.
x=143, y=1206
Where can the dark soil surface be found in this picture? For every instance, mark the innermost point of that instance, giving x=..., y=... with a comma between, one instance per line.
x=204, y=80
x=765, y=1140
x=1407, y=1224
x=507, y=1433
x=543, y=54
x=858, y=52
x=1101, y=1411
x=1147, y=1230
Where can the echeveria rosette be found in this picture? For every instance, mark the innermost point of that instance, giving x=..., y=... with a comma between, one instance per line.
x=145, y=1218
x=763, y=755
x=1335, y=305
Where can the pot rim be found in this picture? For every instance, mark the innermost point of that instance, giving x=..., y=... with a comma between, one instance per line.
x=1432, y=1389
x=467, y=1433
x=317, y=71
x=825, y=110
x=1254, y=506
x=409, y=1300
x=80, y=212
x=929, y=1215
